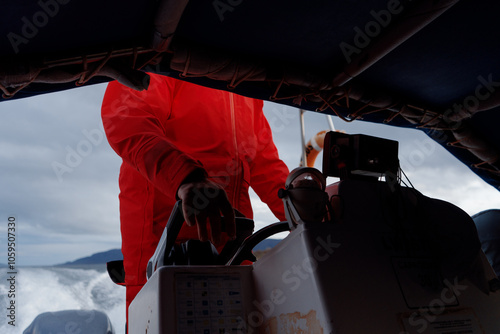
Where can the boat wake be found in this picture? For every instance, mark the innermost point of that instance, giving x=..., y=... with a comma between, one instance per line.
x=49, y=289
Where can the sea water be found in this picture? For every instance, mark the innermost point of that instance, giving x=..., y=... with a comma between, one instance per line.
x=49, y=289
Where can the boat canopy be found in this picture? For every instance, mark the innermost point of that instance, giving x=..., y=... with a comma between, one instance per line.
x=425, y=64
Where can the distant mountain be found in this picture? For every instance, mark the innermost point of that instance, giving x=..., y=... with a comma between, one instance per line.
x=116, y=254
x=98, y=258
x=266, y=244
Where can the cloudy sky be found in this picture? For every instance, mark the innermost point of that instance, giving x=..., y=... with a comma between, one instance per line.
x=59, y=177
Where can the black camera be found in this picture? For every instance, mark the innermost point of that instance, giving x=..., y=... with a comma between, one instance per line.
x=359, y=156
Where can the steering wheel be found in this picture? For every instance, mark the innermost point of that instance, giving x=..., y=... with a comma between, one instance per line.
x=195, y=252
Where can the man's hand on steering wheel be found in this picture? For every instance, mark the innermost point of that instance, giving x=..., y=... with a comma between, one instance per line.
x=204, y=201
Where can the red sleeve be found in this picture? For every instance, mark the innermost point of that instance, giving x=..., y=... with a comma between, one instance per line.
x=133, y=126
x=268, y=171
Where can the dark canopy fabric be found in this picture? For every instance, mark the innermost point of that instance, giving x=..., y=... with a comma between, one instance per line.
x=432, y=65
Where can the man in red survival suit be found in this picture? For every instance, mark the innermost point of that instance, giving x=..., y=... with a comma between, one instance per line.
x=180, y=141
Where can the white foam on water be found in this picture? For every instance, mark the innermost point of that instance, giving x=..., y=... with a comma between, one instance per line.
x=47, y=289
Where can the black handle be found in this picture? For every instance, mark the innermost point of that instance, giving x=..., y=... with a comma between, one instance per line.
x=167, y=240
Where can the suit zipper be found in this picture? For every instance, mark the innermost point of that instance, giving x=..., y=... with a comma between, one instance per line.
x=237, y=177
